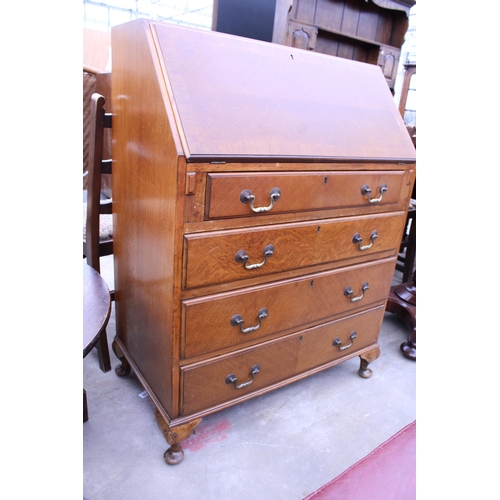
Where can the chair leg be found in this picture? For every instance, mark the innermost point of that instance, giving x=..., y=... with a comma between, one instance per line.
x=410, y=253
x=85, y=409
x=103, y=352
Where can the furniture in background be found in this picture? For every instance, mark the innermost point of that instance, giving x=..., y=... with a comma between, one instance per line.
x=96, y=312
x=387, y=473
x=408, y=249
x=97, y=212
x=96, y=78
x=96, y=51
x=95, y=83
x=406, y=101
x=370, y=31
x=259, y=224
x=248, y=18
x=402, y=299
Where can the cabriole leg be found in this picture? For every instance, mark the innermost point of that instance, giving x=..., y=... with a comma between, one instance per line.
x=174, y=436
x=124, y=368
x=366, y=358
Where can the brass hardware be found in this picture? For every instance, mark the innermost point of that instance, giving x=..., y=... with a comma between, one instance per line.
x=348, y=292
x=357, y=239
x=237, y=320
x=242, y=257
x=231, y=378
x=338, y=342
x=366, y=190
x=246, y=196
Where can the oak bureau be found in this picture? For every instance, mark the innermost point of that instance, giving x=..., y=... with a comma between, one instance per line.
x=260, y=194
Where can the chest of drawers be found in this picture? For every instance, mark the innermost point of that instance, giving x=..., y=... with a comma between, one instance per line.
x=260, y=194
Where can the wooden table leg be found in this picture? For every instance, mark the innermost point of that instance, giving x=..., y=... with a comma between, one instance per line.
x=402, y=301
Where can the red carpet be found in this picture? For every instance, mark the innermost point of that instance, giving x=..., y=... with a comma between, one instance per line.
x=387, y=473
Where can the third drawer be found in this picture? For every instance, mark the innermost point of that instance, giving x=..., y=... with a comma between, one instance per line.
x=247, y=316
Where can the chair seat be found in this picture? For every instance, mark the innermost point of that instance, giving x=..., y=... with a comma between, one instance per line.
x=105, y=225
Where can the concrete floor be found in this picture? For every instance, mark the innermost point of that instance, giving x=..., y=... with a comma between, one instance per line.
x=281, y=446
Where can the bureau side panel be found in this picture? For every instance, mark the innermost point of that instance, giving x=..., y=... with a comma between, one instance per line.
x=145, y=160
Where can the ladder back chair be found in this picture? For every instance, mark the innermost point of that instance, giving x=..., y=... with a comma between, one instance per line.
x=97, y=211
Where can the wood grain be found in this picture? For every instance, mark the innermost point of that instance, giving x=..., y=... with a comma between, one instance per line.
x=205, y=386
x=211, y=256
x=236, y=98
x=299, y=191
x=291, y=304
x=200, y=116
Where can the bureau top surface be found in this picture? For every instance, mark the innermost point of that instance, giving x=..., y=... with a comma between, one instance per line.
x=237, y=98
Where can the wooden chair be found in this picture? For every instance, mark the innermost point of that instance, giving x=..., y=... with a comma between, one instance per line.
x=97, y=219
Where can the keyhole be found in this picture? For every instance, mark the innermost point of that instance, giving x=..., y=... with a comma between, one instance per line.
x=326, y=180
x=319, y=229
x=312, y=283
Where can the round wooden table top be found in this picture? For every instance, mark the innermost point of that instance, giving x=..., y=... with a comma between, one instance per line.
x=96, y=307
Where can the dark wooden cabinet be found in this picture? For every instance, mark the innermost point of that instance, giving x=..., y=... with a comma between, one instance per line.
x=370, y=31
x=260, y=194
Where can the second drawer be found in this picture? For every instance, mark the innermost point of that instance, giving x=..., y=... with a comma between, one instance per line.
x=224, y=256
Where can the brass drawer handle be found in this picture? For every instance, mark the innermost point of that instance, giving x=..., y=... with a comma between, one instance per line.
x=338, y=342
x=246, y=196
x=231, y=378
x=365, y=190
x=242, y=257
x=357, y=239
x=237, y=320
x=348, y=292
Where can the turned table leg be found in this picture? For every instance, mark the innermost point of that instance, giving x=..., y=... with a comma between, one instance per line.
x=366, y=358
x=124, y=368
x=402, y=302
x=409, y=348
x=174, y=436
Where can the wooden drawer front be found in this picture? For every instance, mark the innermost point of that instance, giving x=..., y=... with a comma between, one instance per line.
x=207, y=321
x=319, y=345
x=300, y=191
x=205, y=386
x=213, y=257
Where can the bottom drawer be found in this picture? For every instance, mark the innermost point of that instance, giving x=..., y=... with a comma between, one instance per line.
x=234, y=376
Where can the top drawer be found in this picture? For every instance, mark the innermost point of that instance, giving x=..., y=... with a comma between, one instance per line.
x=238, y=195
